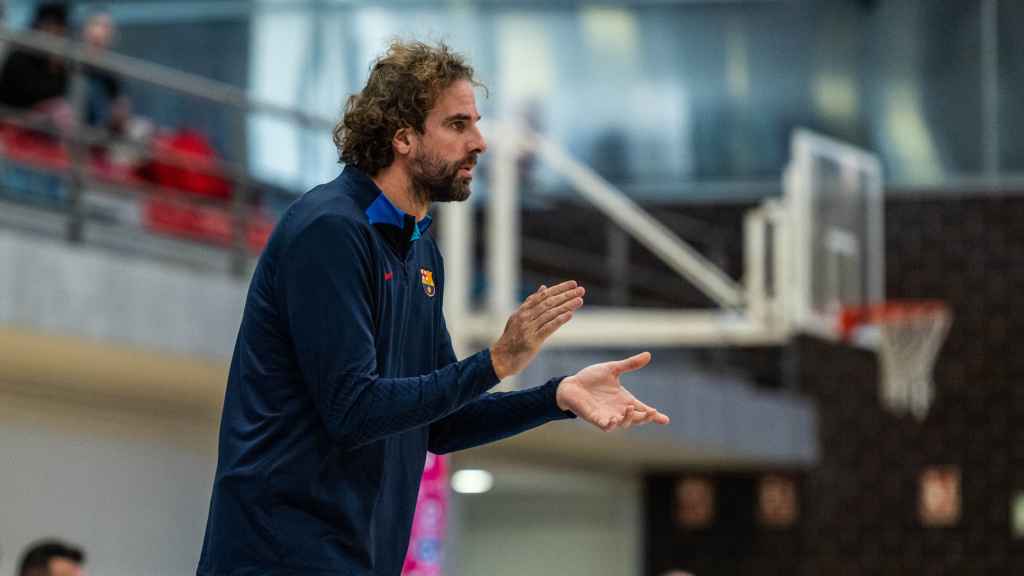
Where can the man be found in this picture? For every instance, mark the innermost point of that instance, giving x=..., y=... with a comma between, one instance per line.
x=106, y=104
x=52, y=558
x=343, y=375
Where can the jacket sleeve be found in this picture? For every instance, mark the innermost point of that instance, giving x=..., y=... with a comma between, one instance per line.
x=327, y=282
x=494, y=416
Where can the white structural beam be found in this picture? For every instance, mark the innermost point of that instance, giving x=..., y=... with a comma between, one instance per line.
x=766, y=263
x=675, y=252
x=503, y=225
x=631, y=327
x=457, y=242
x=755, y=254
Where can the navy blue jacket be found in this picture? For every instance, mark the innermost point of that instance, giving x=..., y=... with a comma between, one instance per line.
x=343, y=377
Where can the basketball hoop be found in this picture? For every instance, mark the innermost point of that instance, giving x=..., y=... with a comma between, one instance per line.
x=911, y=332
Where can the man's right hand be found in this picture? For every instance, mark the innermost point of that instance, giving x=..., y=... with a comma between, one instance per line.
x=545, y=311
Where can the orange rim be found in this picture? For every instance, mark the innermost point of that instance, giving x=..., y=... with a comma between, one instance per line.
x=888, y=312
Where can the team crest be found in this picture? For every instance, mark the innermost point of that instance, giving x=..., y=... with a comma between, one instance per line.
x=427, y=279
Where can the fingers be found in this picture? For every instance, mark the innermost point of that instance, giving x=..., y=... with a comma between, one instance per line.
x=542, y=299
x=630, y=364
x=555, y=311
x=605, y=420
x=532, y=298
x=612, y=423
x=551, y=304
x=655, y=417
x=651, y=414
x=568, y=302
x=552, y=325
x=638, y=417
x=624, y=421
x=547, y=309
x=643, y=407
x=562, y=287
x=631, y=416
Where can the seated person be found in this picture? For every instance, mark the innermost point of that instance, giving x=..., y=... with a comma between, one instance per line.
x=106, y=105
x=30, y=80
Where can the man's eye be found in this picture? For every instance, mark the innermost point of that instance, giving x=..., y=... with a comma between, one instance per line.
x=460, y=125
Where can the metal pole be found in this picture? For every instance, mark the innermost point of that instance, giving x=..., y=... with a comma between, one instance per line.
x=617, y=264
x=77, y=152
x=241, y=204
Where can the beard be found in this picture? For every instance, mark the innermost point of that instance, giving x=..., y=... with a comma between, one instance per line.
x=434, y=180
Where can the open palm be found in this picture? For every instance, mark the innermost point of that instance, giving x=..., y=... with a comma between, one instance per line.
x=596, y=395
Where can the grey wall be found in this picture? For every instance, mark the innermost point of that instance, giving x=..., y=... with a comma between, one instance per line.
x=586, y=525
x=52, y=287
x=128, y=483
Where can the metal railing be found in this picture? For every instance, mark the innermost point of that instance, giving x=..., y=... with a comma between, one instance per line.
x=81, y=61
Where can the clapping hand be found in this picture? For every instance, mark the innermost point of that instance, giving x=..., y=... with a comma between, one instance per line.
x=596, y=395
x=544, y=312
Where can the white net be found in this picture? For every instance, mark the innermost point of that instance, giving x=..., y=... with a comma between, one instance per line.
x=909, y=346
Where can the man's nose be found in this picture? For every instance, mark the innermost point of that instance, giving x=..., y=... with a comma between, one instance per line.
x=477, y=145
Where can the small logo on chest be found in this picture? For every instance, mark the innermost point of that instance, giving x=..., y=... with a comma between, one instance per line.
x=427, y=279
x=387, y=276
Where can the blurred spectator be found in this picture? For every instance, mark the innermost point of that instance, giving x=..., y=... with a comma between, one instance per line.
x=31, y=80
x=52, y=558
x=106, y=105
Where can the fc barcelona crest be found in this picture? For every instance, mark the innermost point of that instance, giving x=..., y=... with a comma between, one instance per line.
x=427, y=279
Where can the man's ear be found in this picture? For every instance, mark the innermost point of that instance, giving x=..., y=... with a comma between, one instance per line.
x=403, y=141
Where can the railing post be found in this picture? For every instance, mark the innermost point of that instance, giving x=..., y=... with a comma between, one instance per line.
x=77, y=151
x=241, y=205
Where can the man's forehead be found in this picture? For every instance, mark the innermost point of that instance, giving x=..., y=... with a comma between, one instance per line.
x=64, y=567
x=459, y=99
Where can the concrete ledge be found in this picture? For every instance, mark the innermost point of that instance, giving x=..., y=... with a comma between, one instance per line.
x=53, y=287
x=39, y=364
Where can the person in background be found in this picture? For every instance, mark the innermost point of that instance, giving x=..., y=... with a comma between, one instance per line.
x=106, y=104
x=52, y=558
x=32, y=80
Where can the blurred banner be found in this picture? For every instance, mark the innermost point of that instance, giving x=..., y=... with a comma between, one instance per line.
x=428, y=525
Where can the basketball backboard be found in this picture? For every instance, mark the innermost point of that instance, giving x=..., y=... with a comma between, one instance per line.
x=835, y=208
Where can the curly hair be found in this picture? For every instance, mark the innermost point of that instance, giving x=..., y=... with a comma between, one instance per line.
x=403, y=87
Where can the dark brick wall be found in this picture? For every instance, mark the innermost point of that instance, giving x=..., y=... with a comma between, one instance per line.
x=859, y=504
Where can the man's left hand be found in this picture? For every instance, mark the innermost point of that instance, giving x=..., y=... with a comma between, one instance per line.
x=595, y=395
